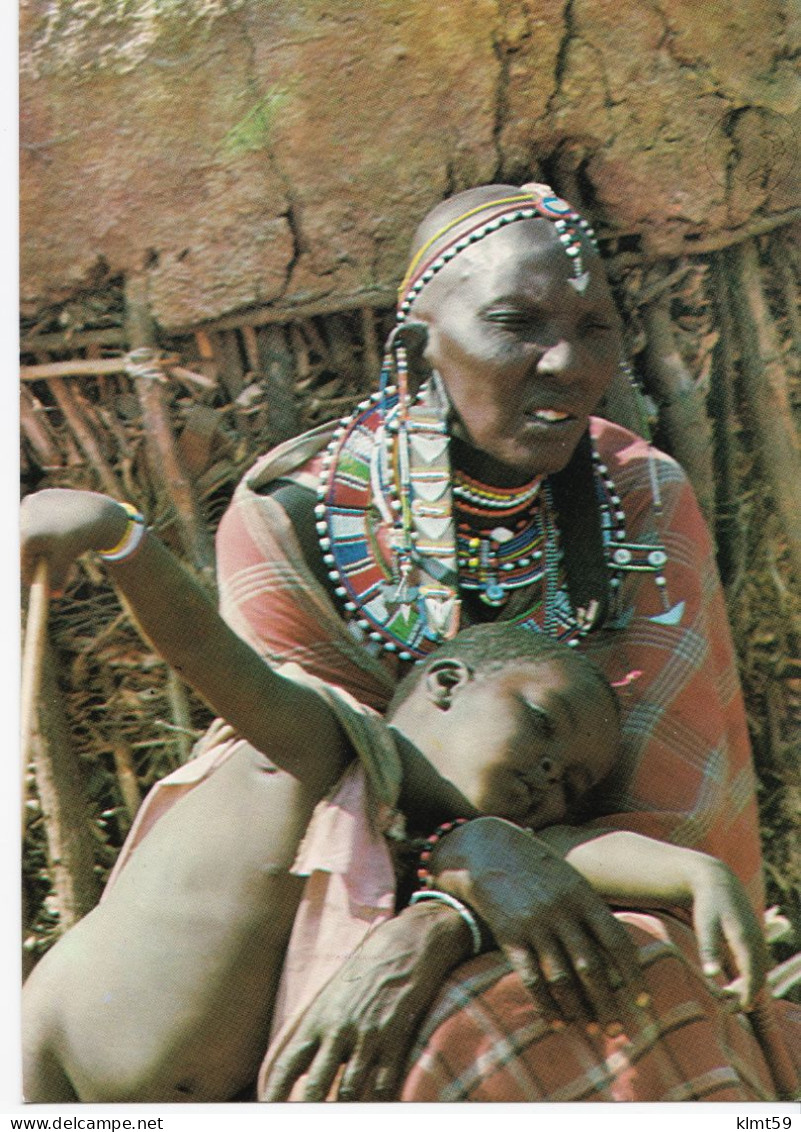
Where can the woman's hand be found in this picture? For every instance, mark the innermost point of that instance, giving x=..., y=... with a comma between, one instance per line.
x=60, y=525
x=366, y=1018
x=573, y=956
x=723, y=917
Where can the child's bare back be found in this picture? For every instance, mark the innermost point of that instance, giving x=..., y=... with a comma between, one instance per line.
x=166, y=990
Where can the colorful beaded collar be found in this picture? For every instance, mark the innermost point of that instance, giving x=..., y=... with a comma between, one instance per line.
x=407, y=600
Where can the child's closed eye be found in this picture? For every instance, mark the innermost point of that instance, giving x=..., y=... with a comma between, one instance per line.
x=539, y=720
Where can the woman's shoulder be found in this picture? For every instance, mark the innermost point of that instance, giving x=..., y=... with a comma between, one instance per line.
x=287, y=460
x=654, y=489
x=632, y=460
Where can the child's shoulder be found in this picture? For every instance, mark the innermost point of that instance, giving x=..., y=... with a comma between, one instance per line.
x=372, y=740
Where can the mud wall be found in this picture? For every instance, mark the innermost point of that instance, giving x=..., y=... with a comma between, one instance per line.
x=251, y=152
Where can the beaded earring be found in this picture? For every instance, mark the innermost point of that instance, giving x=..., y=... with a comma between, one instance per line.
x=638, y=396
x=652, y=556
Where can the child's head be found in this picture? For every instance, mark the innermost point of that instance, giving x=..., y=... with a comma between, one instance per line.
x=524, y=726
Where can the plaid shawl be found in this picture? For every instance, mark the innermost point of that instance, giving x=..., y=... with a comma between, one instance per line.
x=484, y=1039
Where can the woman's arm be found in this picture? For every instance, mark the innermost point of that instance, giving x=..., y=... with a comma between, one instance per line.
x=186, y=629
x=366, y=1018
x=568, y=949
x=558, y=934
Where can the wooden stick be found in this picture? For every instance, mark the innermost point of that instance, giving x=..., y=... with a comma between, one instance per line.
x=62, y=341
x=179, y=709
x=648, y=294
x=681, y=246
x=166, y=466
x=300, y=349
x=62, y=797
x=379, y=297
x=371, y=358
x=81, y=367
x=728, y=528
x=767, y=390
x=127, y=781
x=72, y=367
x=37, y=431
x=731, y=237
x=227, y=352
x=32, y=660
x=681, y=404
x=87, y=441
x=251, y=348
x=126, y=776
x=278, y=367
x=189, y=377
x=780, y=256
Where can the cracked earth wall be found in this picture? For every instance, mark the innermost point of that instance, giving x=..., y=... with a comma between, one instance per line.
x=250, y=152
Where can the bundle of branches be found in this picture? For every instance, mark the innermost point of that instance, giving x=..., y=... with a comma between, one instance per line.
x=714, y=340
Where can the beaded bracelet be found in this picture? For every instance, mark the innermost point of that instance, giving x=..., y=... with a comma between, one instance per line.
x=132, y=536
x=452, y=902
x=423, y=874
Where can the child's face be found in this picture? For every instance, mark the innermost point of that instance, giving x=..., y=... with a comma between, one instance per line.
x=528, y=742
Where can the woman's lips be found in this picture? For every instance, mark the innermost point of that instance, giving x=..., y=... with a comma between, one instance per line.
x=548, y=418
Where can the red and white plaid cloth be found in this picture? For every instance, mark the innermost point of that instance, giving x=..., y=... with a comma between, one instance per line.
x=485, y=1040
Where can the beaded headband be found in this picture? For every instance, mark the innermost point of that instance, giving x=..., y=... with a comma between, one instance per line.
x=533, y=202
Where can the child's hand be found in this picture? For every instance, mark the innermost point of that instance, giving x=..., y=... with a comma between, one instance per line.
x=722, y=915
x=60, y=525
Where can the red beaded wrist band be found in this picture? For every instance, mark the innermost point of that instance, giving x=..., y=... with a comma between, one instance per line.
x=423, y=874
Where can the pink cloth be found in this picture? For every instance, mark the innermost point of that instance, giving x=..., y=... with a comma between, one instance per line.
x=349, y=891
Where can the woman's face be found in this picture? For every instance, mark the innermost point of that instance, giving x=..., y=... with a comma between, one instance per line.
x=524, y=355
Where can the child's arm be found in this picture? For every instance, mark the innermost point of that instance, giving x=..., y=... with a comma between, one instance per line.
x=632, y=870
x=288, y=722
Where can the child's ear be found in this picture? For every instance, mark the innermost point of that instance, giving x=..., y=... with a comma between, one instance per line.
x=443, y=678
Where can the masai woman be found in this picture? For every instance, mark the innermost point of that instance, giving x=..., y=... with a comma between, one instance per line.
x=475, y=486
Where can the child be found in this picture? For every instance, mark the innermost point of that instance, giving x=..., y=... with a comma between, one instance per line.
x=166, y=990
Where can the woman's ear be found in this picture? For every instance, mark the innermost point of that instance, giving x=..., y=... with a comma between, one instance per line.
x=443, y=678
x=414, y=336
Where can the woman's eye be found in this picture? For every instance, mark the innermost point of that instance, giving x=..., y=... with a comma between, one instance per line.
x=510, y=319
x=596, y=326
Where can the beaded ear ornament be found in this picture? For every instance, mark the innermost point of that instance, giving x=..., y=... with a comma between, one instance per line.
x=385, y=513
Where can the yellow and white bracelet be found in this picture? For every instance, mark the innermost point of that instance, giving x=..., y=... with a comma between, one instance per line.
x=131, y=538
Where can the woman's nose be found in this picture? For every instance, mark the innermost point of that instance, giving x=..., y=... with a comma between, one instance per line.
x=557, y=360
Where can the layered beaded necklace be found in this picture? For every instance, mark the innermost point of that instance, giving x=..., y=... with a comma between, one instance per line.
x=500, y=537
